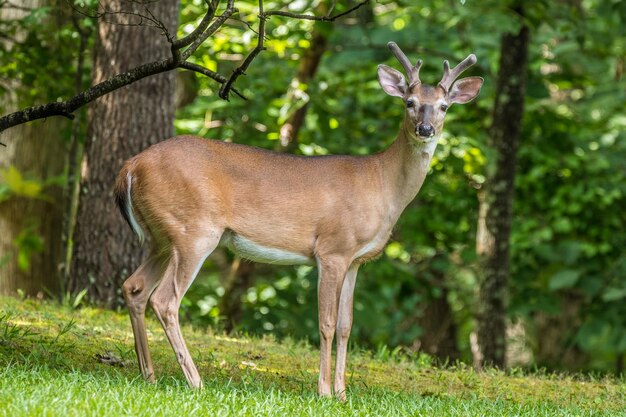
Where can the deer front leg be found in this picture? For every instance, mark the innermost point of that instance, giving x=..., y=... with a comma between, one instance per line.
x=331, y=274
x=344, y=326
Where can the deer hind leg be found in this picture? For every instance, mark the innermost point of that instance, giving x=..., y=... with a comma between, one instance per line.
x=136, y=290
x=183, y=266
x=344, y=326
x=332, y=271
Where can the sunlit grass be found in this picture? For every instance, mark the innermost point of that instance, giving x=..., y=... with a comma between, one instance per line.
x=50, y=364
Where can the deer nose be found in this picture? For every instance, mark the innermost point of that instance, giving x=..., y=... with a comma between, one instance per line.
x=425, y=130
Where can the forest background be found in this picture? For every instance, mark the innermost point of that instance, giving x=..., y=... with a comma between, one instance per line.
x=558, y=286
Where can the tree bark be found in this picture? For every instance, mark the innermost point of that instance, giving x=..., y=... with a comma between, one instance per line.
x=33, y=218
x=121, y=125
x=494, y=225
x=553, y=334
x=38, y=218
x=440, y=329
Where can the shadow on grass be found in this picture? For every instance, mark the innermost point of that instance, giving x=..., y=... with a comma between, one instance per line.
x=64, y=347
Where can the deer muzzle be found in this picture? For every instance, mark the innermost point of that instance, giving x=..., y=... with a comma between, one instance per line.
x=425, y=130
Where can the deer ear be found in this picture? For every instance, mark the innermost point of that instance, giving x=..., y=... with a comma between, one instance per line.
x=392, y=81
x=465, y=89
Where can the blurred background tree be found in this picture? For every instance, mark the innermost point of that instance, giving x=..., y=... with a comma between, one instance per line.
x=31, y=181
x=314, y=91
x=121, y=124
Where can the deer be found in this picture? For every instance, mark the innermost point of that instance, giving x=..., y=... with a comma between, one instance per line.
x=191, y=194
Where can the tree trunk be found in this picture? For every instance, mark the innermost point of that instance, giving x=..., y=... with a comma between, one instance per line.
x=494, y=225
x=30, y=228
x=554, y=332
x=121, y=125
x=440, y=329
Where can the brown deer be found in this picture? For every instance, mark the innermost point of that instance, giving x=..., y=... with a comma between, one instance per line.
x=191, y=194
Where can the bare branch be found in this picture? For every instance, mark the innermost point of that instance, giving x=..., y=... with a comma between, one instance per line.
x=159, y=24
x=149, y=17
x=263, y=16
x=313, y=17
x=207, y=72
x=66, y=108
x=230, y=9
x=331, y=8
x=241, y=69
x=204, y=23
x=248, y=25
x=207, y=27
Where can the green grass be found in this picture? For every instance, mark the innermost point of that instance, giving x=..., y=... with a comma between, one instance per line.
x=50, y=364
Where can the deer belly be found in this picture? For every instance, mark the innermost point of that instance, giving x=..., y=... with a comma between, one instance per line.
x=373, y=248
x=248, y=249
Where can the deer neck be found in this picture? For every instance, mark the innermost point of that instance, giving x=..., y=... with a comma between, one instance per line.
x=405, y=165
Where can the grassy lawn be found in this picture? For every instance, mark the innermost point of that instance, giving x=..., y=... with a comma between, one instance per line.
x=59, y=361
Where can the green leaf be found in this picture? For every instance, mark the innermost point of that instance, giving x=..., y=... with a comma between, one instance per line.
x=614, y=294
x=566, y=278
x=12, y=177
x=79, y=298
x=5, y=192
x=28, y=242
x=23, y=260
x=588, y=333
x=20, y=186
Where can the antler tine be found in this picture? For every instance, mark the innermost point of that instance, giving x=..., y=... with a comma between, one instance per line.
x=450, y=75
x=413, y=72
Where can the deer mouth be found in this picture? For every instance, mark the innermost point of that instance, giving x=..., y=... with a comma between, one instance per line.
x=425, y=137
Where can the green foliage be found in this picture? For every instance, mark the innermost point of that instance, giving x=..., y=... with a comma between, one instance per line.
x=74, y=301
x=40, y=52
x=13, y=184
x=28, y=242
x=565, y=240
x=37, y=64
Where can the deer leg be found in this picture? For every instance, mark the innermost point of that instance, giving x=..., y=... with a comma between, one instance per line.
x=136, y=290
x=344, y=325
x=183, y=267
x=331, y=274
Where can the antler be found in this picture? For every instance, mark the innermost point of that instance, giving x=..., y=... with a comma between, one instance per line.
x=413, y=72
x=450, y=76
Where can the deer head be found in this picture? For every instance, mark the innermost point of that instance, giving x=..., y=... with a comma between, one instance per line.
x=426, y=105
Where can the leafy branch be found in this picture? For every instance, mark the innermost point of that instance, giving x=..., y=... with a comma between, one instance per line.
x=263, y=16
x=182, y=49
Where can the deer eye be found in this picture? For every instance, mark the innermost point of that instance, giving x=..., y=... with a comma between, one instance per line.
x=410, y=103
x=443, y=107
